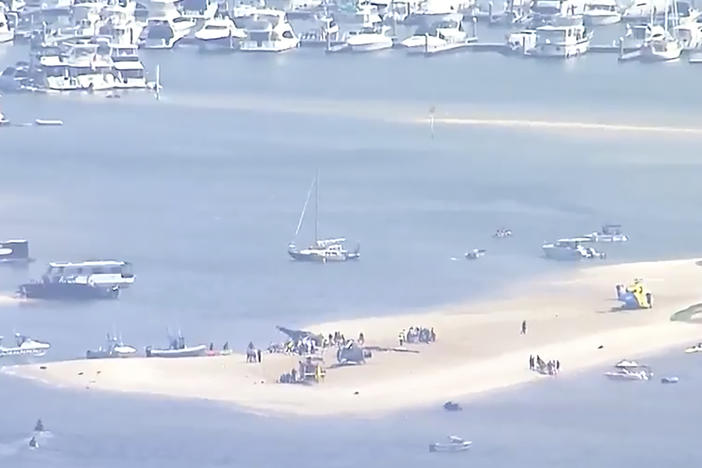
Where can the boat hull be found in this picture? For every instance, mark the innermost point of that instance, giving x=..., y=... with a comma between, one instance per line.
x=193, y=351
x=311, y=257
x=370, y=46
x=67, y=291
x=601, y=20
x=560, y=50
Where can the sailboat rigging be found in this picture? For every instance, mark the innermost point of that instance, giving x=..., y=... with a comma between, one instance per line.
x=321, y=250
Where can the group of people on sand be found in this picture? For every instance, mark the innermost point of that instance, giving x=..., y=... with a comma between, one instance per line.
x=544, y=367
x=417, y=335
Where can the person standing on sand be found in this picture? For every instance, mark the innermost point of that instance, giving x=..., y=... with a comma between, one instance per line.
x=258, y=355
x=361, y=339
x=524, y=327
x=401, y=337
x=531, y=362
x=558, y=366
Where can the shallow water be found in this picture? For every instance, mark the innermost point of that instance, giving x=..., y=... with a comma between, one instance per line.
x=202, y=190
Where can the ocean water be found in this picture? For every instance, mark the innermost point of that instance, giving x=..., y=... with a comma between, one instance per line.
x=202, y=190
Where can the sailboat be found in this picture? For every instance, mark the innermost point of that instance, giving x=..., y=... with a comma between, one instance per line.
x=663, y=44
x=321, y=250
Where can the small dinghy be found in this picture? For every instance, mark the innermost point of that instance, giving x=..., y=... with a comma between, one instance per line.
x=475, y=254
x=694, y=349
x=452, y=406
x=670, y=380
x=33, y=442
x=455, y=444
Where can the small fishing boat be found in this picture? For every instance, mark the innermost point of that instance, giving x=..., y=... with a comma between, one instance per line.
x=455, y=444
x=114, y=348
x=694, y=349
x=25, y=347
x=176, y=349
x=670, y=380
x=475, y=254
x=571, y=249
x=3, y=120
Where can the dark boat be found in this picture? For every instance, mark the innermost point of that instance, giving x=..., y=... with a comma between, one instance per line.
x=102, y=279
x=14, y=251
x=39, y=426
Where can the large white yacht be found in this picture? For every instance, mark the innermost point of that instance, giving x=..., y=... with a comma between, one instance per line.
x=268, y=30
x=643, y=10
x=165, y=26
x=663, y=46
x=370, y=38
x=364, y=13
x=219, y=33
x=560, y=41
x=128, y=70
x=7, y=34
x=601, y=13
x=570, y=249
x=447, y=31
x=86, y=66
x=119, y=23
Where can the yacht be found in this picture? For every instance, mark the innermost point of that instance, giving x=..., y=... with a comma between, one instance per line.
x=326, y=34
x=644, y=10
x=165, y=26
x=7, y=33
x=86, y=66
x=94, y=279
x=364, y=13
x=440, y=34
x=601, y=13
x=370, y=38
x=662, y=46
x=434, y=10
x=636, y=36
x=220, y=33
x=24, y=346
x=570, y=249
x=14, y=251
x=560, y=41
x=268, y=30
x=321, y=250
x=686, y=13
x=114, y=348
x=119, y=23
x=608, y=233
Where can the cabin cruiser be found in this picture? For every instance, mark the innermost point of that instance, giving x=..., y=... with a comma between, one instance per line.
x=219, y=33
x=25, y=346
x=686, y=13
x=560, y=41
x=94, y=279
x=7, y=32
x=663, y=46
x=164, y=33
x=370, y=38
x=454, y=444
x=437, y=35
x=268, y=30
x=14, y=251
x=177, y=348
x=245, y=8
x=114, y=348
x=601, y=13
x=544, y=12
x=571, y=249
x=608, y=233
x=85, y=66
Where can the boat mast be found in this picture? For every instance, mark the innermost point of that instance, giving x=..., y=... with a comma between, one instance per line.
x=316, y=207
x=304, y=208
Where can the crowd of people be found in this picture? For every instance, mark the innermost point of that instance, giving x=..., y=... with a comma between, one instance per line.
x=416, y=335
x=537, y=364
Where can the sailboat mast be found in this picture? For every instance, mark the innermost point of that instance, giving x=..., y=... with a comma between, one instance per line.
x=316, y=208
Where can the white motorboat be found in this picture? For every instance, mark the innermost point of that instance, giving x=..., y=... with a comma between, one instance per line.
x=608, y=233
x=601, y=13
x=636, y=36
x=560, y=41
x=219, y=33
x=442, y=35
x=370, y=38
x=454, y=444
x=694, y=349
x=626, y=374
x=433, y=10
x=268, y=30
x=7, y=33
x=627, y=364
x=94, y=279
x=321, y=250
x=643, y=10
x=14, y=250
x=364, y=13
x=114, y=348
x=571, y=249
x=475, y=254
x=165, y=33
x=670, y=380
x=663, y=46
x=176, y=349
x=25, y=346
x=86, y=65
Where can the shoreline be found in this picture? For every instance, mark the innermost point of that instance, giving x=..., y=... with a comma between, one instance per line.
x=479, y=349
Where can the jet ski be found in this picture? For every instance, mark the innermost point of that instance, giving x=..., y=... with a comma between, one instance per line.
x=455, y=444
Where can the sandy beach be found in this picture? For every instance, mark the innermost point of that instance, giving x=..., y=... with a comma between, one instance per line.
x=572, y=318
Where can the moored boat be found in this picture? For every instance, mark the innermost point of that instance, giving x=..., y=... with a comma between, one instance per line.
x=25, y=346
x=176, y=349
x=14, y=251
x=571, y=249
x=114, y=348
x=454, y=444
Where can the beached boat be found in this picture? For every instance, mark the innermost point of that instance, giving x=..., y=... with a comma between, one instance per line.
x=25, y=346
x=608, y=233
x=454, y=444
x=94, y=279
x=694, y=349
x=321, y=250
x=601, y=13
x=176, y=349
x=571, y=249
x=627, y=374
x=114, y=348
x=14, y=251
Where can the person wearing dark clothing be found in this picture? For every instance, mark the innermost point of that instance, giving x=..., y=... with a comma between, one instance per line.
x=524, y=327
x=258, y=355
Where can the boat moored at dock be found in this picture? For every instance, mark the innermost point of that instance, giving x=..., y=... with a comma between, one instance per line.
x=560, y=41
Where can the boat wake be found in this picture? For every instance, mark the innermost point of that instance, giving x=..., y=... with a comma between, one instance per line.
x=561, y=125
